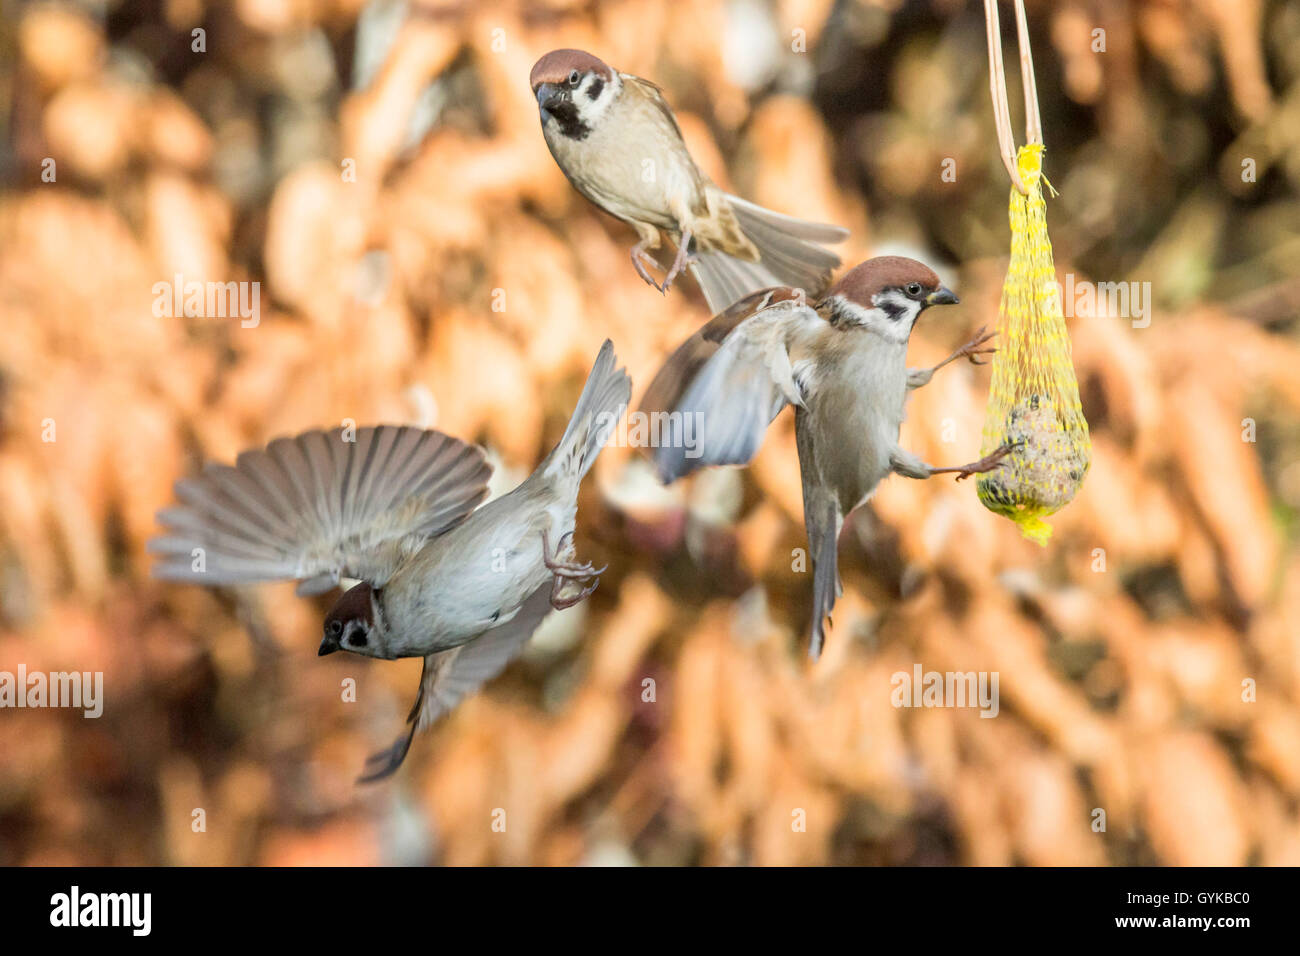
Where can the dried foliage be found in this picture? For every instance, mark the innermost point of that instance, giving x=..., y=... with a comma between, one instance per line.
x=460, y=282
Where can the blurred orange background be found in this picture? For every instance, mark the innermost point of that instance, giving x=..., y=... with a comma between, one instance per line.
x=379, y=170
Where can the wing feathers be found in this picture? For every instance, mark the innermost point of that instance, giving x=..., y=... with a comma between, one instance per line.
x=319, y=505
x=728, y=381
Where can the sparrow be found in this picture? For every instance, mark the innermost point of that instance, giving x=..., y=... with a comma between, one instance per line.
x=397, y=508
x=842, y=363
x=616, y=139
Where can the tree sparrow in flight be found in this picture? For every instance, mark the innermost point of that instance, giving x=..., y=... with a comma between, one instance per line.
x=462, y=586
x=617, y=141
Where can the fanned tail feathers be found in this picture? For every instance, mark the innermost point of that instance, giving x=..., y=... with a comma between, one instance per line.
x=602, y=403
x=791, y=253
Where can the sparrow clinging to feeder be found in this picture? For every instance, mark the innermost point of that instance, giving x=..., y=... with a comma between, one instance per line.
x=841, y=362
x=616, y=139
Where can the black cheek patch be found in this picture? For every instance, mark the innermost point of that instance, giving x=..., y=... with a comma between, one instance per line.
x=358, y=640
x=597, y=85
x=893, y=309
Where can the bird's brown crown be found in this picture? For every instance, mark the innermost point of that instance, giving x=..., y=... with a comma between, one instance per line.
x=556, y=66
x=869, y=278
x=353, y=605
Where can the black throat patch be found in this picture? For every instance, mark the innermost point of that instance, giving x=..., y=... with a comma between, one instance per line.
x=566, y=117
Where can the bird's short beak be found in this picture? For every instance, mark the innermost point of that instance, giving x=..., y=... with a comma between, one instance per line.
x=327, y=646
x=548, y=96
x=942, y=296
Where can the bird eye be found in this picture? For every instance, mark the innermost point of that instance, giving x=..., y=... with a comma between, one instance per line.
x=575, y=78
x=336, y=628
x=914, y=288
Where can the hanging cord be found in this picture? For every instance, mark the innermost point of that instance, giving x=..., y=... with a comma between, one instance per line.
x=998, y=89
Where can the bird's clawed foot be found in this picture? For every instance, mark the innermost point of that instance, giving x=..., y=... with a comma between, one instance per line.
x=641, y=259
x=987, y=463
x=566, y=569
x=560, y=600
x=568, y=573
x=972, y=350
x=684, y=259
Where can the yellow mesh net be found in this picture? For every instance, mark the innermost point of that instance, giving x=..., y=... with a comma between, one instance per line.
x=1034, y=396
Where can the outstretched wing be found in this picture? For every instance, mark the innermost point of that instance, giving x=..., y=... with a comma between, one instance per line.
x=680, y=369
x=451, y=676
x=319, y=506
x=720, y=390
